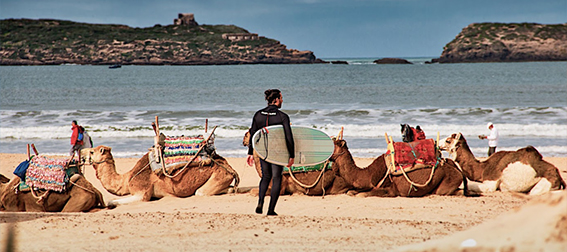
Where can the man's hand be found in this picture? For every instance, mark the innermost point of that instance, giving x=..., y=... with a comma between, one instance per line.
x=250, y=160
x=290, y=163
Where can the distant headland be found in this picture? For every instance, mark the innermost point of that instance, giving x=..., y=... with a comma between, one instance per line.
x=507, y=42
x=185, y=42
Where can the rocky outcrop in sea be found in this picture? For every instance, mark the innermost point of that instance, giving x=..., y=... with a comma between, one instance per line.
x=507, y=42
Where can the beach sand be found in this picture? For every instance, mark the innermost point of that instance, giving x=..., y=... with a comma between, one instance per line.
x=492, y=222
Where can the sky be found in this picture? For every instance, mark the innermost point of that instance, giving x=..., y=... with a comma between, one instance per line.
x=329, y=28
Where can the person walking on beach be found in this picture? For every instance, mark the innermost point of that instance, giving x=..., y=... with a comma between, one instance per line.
x=492, y=138
x=76, y=140
x=268, y=116
x=87, y=141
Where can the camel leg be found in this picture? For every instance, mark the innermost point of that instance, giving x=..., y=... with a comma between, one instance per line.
x=552, y=175
x=80, y=204
x=541, y=187
x=145, y=195
x=125, y=200
x=379, y=192
x=450, y=183
x=216, y=184
x=484, y=187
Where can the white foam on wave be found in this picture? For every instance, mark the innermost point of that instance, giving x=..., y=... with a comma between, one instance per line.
x=350, y=130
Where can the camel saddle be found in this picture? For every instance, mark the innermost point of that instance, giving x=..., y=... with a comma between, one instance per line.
x=411, y=156
x=178, y=152
x=48, y=174
x=317, y=167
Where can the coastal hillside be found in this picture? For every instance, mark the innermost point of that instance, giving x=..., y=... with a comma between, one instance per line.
x=507, y=42
x=54, y=42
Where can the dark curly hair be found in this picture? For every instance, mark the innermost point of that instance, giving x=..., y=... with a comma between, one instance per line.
x=272, y=94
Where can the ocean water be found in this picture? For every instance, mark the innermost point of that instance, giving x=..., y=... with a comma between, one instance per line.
x=527, y=102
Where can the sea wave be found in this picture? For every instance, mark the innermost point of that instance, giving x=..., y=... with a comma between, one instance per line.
x=327, y=113
x=237, y=131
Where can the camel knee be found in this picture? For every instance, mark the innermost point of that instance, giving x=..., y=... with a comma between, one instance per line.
x=200, y=192
x=485, y=187
x=543, y=186
x=123, y=201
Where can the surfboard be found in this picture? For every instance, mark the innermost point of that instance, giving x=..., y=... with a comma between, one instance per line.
x=312, y=146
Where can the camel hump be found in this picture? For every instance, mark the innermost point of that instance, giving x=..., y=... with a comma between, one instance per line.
x=531, y=151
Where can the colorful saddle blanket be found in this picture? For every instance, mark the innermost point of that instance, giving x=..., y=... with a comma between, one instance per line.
x=47, y=173
x=181, y=149
x=317, y=167
x=406, y=155
x=70, y=171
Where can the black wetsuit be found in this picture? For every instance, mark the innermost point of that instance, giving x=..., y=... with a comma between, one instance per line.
x=269, y=116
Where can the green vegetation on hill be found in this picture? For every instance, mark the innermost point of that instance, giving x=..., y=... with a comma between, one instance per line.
x=496, y=42
x=48, y=41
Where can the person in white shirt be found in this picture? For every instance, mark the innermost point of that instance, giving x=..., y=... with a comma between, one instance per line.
x=492, y=138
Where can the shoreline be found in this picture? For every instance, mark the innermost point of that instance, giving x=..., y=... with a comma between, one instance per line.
x=227, y=222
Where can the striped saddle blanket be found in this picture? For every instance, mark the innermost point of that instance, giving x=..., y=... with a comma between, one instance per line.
x=47, y=173
x=407, y=155
x=182, y=149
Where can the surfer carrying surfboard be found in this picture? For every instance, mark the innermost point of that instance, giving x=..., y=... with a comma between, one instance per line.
x=268, y=116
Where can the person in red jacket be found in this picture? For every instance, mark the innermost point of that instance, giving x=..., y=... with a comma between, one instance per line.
x=76, y=142
x=418, y=133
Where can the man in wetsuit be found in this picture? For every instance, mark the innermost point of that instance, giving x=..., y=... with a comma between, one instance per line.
x=268, y=116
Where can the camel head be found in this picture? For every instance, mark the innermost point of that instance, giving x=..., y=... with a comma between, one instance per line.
x=4, y=179
x=97, y=155
x=452, y=143
x=340, y=148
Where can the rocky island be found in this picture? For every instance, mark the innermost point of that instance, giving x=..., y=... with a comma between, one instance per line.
x=185, y=42
x=507, y=42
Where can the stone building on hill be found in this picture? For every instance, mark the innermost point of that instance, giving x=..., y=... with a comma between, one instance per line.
x=185, y=19
x=240, y=36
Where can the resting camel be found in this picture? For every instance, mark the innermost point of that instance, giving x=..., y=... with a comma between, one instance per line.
x=371, y=180
x=143, y=184
x=80, y=196
x=523, y=170
x=311, y=183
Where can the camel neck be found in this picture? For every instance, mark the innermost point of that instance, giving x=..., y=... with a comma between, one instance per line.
x=110, y=179
x=470, y=165
x=359, y=178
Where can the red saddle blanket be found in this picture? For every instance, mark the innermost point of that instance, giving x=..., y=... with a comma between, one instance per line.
x=408, y=154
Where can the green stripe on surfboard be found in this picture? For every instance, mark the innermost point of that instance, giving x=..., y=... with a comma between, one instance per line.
x=312, y=146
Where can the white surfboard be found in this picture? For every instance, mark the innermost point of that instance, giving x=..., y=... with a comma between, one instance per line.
x=312, y=146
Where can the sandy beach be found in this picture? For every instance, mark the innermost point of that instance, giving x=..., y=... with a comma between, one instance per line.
x=493, y=222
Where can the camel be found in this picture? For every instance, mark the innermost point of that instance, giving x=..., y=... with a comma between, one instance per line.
x=80, y=196
x=374, y=180
x=523, y=170
x=311, y=183
x=143, y=184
